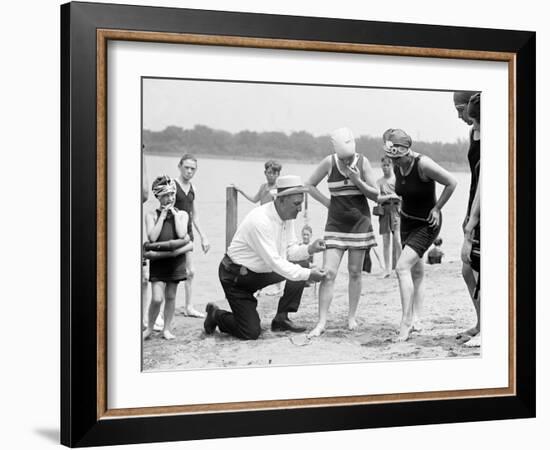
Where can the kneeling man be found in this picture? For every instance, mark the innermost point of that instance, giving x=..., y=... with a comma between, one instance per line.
x=260, y=254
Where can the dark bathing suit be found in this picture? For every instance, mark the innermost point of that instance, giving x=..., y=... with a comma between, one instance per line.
x=184, y=202
x=418, y=199
x=474, y=162
x=167, y=269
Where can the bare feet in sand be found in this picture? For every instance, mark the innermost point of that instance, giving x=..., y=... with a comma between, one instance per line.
x=192, y=312
x=317, y=331
x=417, y=326
x=352, y=324
x=404, y=333
x=166, y=334
x=147, y=334
x=474, y=341
x=159, y=323
x=465, y=336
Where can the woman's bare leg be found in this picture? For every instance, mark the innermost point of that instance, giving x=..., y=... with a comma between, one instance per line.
x=355, y=268
x=470, y=278
x=417, y=272
x=332, y=259
x=397, y=245
x=405, y=263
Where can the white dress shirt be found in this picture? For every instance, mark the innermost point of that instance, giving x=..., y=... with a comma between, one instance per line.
x=265, y=243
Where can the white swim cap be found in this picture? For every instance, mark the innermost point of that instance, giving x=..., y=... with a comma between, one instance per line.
x=343, y=142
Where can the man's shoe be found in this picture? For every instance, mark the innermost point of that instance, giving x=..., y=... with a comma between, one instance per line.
x=210, y=322
x=286, y=325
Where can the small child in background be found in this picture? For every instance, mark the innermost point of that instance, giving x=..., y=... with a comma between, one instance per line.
x=435, y=254
x=307, y=233
x=264, y=194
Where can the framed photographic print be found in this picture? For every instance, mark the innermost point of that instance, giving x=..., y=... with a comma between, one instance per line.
x=272, y=224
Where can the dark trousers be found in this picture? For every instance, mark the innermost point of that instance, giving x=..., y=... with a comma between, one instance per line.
x=239, y=285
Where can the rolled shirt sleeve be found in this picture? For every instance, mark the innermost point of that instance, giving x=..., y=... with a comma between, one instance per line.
x=261, y=241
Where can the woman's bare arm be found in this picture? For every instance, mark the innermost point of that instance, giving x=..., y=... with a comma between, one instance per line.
x=320, y=172
x=433, y=171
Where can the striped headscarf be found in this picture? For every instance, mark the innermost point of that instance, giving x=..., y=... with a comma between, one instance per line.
x=162, y=185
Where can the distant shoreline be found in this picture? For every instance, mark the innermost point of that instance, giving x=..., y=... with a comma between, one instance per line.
x=452, y=166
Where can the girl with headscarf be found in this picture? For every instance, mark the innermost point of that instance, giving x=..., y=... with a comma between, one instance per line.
x=350, y=181
x=415, y=179
x=165, y=224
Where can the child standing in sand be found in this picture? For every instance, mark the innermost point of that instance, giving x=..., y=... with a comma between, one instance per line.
x=435, y=254
x=165, y=224
x=264, y=194
x=389, y=220
x=185, y=201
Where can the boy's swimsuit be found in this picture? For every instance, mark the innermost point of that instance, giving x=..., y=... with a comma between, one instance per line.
x=348, y=222
x=167, y=269
x=184, y=202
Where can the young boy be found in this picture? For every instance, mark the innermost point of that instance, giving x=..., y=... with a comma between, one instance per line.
x=264, y=195
x=389, y=220
x=185, y=201
x=435, y=254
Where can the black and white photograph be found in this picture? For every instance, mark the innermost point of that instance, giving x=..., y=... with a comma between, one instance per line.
x=299, y=224
x=256, y=225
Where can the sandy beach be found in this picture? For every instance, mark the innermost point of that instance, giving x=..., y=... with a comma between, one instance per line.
x=447, y=311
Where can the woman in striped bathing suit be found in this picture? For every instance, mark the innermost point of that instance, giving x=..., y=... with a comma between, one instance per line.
x=415, y=178
x=350, y=181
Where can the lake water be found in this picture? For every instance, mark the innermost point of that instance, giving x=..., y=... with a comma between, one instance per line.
x=214, y=175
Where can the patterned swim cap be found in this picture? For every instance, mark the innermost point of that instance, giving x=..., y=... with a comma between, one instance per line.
x=163, y=185
x=397, y=143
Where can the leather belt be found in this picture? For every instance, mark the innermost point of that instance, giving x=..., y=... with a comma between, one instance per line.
x=231, y=267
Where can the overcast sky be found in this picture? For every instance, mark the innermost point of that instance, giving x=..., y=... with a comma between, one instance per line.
x=230, y=106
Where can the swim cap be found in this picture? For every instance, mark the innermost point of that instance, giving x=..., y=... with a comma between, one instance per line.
x=462, y=97
x=473, y=107
x=163, y=185
x=343, y=142
x=395, y=137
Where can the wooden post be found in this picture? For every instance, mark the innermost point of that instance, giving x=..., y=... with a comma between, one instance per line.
x=230, y=214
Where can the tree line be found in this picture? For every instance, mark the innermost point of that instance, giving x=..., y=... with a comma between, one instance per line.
x=301, y=145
